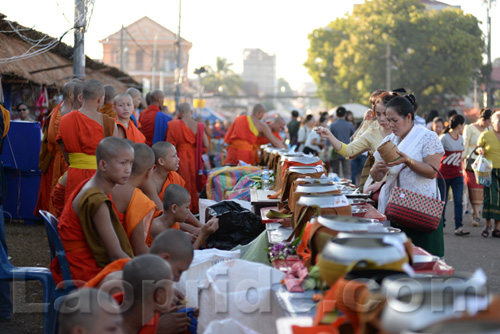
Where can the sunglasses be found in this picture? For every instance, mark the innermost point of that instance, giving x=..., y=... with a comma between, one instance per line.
x=22, y=109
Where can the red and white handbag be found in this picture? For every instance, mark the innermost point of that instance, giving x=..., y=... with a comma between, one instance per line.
x=415, y=211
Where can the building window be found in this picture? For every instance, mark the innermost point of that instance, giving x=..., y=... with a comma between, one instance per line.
x=139, y=60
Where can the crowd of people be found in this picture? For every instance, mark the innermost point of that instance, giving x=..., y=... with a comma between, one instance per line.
x=125, y=185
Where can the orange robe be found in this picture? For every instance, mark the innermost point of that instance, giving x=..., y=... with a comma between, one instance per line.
x=110, y=268
x=80, y=134
x=140, y=207
x=45, y=188
x=108, y=110
x=172, y=178
x=132, y=132
x=147, y=119
x=184, y=140
x=82, y=259
x=60, y=165
x=261, y=140
x=241, y=137
x=57, y=198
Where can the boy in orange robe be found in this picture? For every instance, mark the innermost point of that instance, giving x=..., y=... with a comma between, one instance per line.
x=107, y=109
x=135, y=210
x=242, y=136
x=183, y=134
x=90, y=230
x=136, y=98
x=148, y=291
x=80, y=132
x=52, y=154
x=175, y=212
x=167, y=163
x=123, y=106
x=154, y=123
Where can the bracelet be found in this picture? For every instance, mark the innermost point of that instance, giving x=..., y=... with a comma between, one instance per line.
x=411, y=163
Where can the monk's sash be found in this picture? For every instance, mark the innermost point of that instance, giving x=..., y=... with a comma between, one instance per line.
x=82, y=161
x=241, y=145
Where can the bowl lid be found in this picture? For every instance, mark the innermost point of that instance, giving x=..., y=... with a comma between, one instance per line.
x=305, y=159
x=347, y=223
x=324, y=200
x=322, y=180
x=316, y=188
x=382, y=232
x=306, y=169
x=349, y=250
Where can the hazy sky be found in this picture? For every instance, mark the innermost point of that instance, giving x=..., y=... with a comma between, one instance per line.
x=215, y=27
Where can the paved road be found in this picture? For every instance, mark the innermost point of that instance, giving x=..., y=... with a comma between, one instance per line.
x=467, y=253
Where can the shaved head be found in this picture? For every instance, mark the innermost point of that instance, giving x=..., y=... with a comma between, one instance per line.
x=143, y=276
x=175, y=194
x=109, y=94
x=133, y=92
x=68, y=89
x=92, y=90
x=258, y=108
x=173, y=242
x=144, y=158
x=185, y=108
x=111, y=147
x=160, y=149
x=85, y=308
x=77, y=91
x=119, y=96
x=157, y=97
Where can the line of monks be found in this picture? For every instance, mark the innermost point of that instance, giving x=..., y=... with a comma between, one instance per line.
x=120, y=201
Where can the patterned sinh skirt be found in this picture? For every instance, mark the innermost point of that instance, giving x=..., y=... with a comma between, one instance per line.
x=475, y=190
x=491, y=208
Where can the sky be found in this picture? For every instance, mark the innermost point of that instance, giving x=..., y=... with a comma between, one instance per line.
x=217, y=28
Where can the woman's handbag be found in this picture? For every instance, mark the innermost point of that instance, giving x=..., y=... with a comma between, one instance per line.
x=415, y=211
x=469, y=161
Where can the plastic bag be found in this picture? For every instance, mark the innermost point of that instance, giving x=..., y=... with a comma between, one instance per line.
x=237, y=226
x=241, y=290
x=195, y=277
x=228, y=326
x=482, y=170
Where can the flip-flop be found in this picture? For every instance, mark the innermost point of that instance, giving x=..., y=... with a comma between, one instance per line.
x=475, y=221
x=486, y=231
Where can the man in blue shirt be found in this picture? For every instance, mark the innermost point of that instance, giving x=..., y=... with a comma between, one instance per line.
x=343, y=131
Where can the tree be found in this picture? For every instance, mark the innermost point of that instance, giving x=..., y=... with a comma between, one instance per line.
x=433, y=53
x=222, y=78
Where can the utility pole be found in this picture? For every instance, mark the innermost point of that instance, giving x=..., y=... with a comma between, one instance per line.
x=122, y=43
x=178, y=76
x=388, y=64
x=489, y=88
x=78, y=49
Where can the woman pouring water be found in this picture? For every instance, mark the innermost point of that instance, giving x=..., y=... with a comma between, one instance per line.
x=420, y=150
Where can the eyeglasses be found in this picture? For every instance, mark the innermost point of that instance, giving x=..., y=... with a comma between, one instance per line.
x=22, y=109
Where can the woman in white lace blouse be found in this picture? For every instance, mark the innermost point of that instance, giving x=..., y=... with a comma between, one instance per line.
x=419, y=149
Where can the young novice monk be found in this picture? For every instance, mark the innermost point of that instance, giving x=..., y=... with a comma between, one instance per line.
x=136, y=210
x=176, y=201
x=88, y=311
x=165, y=174
x=148, y=291
x=90, y=230
x=124, y=108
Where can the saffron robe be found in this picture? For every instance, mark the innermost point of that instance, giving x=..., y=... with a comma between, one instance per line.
x=132, y=132
x=108, y=110
x=110, y=268
x=184, y=140
x=57, y=198
x=81, y=134
x=154, y=124
x=172, y=178
x=46, y=162
x=261, y=140
x=241, y=137
x=84, y=247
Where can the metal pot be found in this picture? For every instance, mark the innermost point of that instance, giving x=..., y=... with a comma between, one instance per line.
x=386, y=232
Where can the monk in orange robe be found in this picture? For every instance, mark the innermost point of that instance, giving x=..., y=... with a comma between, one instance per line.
x=276, y=125
x=123, y=105
x=80, y=132
x=107, y=109
x=154, y=123
x=136, y=98
x=188, y=136
x=135, y=210
x=50, y=153
x=242, y=136
x=167, y=163
x=90, y=231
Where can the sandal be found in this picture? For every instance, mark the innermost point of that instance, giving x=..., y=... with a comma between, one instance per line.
x=475, y=221
x=486, y=231
x=496, y=234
